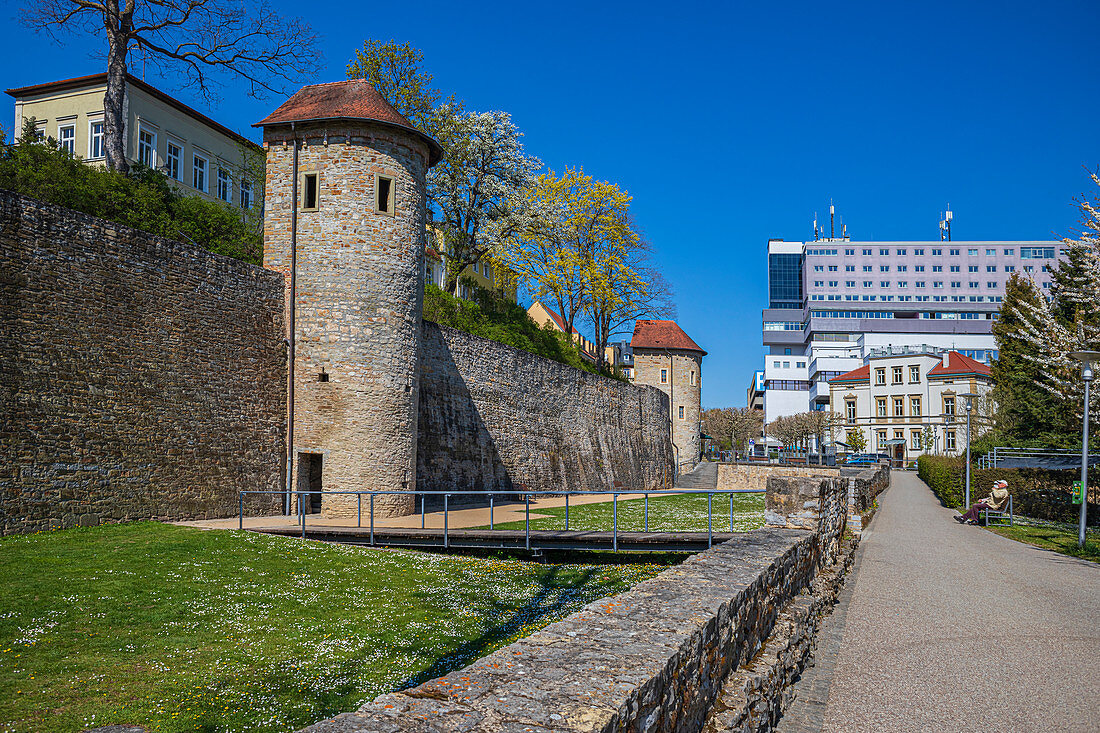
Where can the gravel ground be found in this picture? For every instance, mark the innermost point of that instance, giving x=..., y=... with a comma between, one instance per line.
x=953, y=628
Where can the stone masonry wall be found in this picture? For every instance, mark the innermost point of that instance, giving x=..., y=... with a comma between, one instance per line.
x=684, y=390
x=743, y=476
x=492, y=416
x=139, y=377
x=653, y=659
x=358, y=306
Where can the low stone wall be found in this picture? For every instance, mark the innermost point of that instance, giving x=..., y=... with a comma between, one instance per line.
x=749, y=476
x=795, y=501
x=492, y=417
x=863, y=487
x=652, y=659
x=139, y=377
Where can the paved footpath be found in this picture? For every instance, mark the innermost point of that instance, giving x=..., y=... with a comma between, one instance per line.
x=947, y=627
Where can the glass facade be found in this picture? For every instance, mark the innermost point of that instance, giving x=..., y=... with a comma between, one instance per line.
x=785, y=280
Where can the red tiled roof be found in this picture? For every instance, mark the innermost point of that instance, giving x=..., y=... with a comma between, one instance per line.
x=662, y=335
x=93, y=80
x=960, y=365
x=356, y=99
x=856, y=375
x=558, y=320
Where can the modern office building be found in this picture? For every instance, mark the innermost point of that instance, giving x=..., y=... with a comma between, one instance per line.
x=754, y=395
x=833, y=302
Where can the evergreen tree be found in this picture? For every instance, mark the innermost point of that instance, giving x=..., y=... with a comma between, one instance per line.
x=1024, y=411
x=1038, y=384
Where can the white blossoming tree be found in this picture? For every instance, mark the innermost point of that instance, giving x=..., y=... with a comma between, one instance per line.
x=479, y=187
x=1044, y=331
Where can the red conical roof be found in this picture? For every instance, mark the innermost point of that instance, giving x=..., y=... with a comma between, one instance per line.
x=655, y=334
x=355, y=99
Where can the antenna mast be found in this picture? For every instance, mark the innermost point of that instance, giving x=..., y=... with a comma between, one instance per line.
x=945, y=225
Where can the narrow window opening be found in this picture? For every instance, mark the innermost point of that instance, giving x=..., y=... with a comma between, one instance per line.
x=309, y=192
x=323, y=376
x=384, y=195
x=681, y=412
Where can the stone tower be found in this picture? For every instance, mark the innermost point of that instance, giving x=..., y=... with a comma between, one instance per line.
x=666, y=358
x=345, y=223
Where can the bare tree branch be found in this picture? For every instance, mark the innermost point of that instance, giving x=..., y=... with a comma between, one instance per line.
x=203, y=37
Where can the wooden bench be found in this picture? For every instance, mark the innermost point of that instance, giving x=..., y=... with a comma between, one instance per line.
x=999, y=514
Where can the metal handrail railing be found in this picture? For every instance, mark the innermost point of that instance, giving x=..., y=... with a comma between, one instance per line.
x=527, y=494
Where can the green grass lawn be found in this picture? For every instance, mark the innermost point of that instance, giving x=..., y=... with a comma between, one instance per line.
x=182, y=629
x=667, y=512
x=1054, y=537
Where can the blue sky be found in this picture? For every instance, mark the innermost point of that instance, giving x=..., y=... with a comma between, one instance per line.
x=731, y=123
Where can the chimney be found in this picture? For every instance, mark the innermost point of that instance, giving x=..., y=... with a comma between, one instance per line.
x=947, y=360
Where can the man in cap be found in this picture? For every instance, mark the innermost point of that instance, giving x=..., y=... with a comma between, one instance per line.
x=996, y=499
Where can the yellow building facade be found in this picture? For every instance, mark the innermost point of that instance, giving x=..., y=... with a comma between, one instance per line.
x=200, y=156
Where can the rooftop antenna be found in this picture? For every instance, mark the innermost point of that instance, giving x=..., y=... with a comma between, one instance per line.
x=945, y=225
x=832, y=228
x=815, y=226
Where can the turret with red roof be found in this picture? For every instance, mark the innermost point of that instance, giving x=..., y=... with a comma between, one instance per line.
x=667, y=358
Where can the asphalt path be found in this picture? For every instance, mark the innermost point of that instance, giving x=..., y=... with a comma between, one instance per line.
x=953, y=628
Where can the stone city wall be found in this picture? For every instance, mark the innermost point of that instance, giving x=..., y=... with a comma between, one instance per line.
x=139, y=377
x=492, y=417
x=864, y=486
x=752, y=476
x=655, y=658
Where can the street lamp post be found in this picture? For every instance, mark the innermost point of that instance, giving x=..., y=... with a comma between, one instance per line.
x=1087, y=359
x=969, y=408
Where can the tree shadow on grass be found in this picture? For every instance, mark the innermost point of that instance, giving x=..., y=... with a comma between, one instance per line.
x=554, y=596
x=559, y=590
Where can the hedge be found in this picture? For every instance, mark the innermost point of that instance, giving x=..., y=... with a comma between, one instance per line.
x=1036, y=492
x=490, y=316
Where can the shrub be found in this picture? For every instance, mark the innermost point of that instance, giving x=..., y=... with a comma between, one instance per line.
x=490, y=316
x=143, y=198
x=1036, y=492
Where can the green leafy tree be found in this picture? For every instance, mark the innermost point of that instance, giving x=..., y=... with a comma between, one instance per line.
x=857, y=440
x=1039, y=334
x=1025, y=410
x=928, y=438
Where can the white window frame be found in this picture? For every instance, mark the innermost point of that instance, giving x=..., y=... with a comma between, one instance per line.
x=664, y=376
x=71, y=127
x=205, y=168
x=247, y=193
x=168, y=159
x=93, y=137
x=145, y=130
x=680, y=412
x=228, y=198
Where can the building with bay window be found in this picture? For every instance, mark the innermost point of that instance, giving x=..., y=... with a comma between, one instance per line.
x=909, y=402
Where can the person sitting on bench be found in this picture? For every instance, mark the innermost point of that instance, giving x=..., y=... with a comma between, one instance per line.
x=994, y=502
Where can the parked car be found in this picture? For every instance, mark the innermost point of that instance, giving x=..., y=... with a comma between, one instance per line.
x=866, y=459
